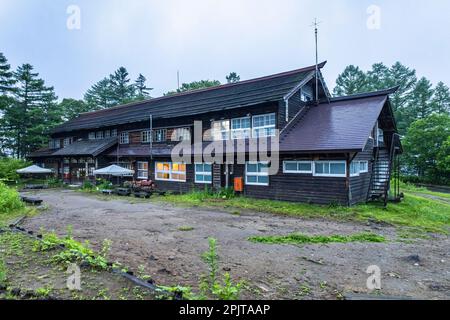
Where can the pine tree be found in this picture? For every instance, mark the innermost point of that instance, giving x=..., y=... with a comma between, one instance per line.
x=29, y=117
x=142, y=91
x=441, y=99
x=6, y=76
x=71, y=108
x=352, y=80
x=120, y=89
x=233, y=77
x=99, y=95
x=420, y=105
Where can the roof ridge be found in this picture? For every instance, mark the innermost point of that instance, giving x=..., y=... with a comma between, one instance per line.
x=366, y=94
x=226, y=85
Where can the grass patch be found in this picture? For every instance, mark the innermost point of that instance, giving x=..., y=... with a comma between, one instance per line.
x=298, y=238
x=415, y=211
x=2, y=272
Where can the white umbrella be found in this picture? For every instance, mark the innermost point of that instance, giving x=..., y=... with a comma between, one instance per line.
x=114, y=170
x=34, y=170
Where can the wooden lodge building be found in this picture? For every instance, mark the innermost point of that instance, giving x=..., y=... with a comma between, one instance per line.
x=332, y=150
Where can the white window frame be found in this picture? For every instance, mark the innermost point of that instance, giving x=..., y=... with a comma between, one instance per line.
x=99, y=135
x=181, y=132
x=170, y=171
x=355, y=164
x=264, y=127
x=107, y=134
x=124, y=137
x=241, y=133
x=146, y=136
x=297, y=163
x=163, y=136
x=114, y=133
x=91, y=136
x=257, y=174
x=304, y=96
x=142, y=170
x=67, y=142
x=218, y=135
x=329, y=164
x=203, y=173
x=366, y=166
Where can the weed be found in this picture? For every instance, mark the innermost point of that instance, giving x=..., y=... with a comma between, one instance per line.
x=44, y=292
x=297, y=238
x=141, y=273
x=2, y=272
x=304, y=290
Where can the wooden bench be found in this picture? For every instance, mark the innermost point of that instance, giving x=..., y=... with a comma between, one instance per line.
x=33, y=201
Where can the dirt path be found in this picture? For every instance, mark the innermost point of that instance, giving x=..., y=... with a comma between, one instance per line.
x=147, y=233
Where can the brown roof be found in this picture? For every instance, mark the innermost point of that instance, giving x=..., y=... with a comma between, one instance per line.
x=343, y=124
x=223, y=97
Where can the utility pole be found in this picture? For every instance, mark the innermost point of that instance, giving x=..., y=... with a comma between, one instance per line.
x=178, y=79
x=315, y=25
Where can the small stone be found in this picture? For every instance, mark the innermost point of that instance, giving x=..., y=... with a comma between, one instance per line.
x=153, y=258
x=227, y=269
x=171, y=258
x=416, y=264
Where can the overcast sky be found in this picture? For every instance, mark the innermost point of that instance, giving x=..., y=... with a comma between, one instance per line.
x=207, y=39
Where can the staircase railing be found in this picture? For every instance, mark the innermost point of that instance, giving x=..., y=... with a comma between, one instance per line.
x=394, y=140
x=374, y=164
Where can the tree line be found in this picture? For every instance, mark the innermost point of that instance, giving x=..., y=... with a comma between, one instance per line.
x=422, y=112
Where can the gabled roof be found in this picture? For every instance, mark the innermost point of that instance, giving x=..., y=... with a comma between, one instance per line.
x=86, y=147
x=224, y=97
x=343, y=124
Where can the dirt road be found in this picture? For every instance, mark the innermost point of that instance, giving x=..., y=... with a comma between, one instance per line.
x=148, y=233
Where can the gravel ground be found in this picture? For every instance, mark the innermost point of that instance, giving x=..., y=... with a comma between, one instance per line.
x=147, y=233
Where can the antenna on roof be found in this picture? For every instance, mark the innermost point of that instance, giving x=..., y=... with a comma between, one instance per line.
x=315, y=25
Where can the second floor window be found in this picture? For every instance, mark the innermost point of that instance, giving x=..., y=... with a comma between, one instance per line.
x=99, y=135
x=91, y=135
x=160, y=135
x=107, y=133
x=114, y=133
x=124, y=138
x=240, y=128
x=181, y=134
x=264, y=125
x=67, y=142
x=221, y=130
x=146, y=136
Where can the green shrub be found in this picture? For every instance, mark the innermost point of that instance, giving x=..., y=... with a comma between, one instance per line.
x=88, y=186
x=9, y=166
x=9, y=200
x=2, y=272
x=103, y=184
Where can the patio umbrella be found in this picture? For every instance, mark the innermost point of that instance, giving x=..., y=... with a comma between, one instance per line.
x=34, y=170
x=114, y=170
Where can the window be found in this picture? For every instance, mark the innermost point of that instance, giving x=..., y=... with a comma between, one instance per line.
x=168, y=171
x=330, y=168
x=67, y=142
x=145, y=136
x=91, y=135
x=380, y=136
x=142, y=170
x=257, y=173
x=354, y=169
x=264, y=126
x=181, y=134
x=363, y=166
x=240, y=128
x=221, y=130
x=54, y=144
x=305, y=97
x=160, y=135
x=114, y=133
x=203, y=173
x=99, y=135
x=91, y=171
x=107, y=133
x=124, y=138
x=297, y=167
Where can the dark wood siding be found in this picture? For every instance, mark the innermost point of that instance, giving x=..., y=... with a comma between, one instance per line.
x=359, y=186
